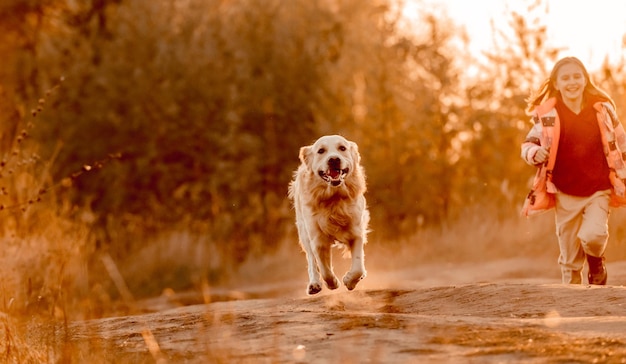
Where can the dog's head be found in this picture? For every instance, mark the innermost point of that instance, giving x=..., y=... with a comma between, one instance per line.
x=332, y=158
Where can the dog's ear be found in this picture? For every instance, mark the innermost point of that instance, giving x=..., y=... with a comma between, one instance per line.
x=354, y=151
x=305, y=155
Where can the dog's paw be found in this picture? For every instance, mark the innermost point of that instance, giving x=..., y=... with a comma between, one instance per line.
x=332, y=283
x=314, y=288
x=351, y=279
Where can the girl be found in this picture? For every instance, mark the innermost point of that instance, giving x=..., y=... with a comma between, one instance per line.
x=573, y=116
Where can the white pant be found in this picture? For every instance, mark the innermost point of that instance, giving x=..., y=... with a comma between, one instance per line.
x=582, y=229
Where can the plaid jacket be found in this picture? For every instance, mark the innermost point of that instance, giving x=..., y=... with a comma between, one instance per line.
x=545, y=133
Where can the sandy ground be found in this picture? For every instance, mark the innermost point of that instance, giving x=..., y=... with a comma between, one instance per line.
x=496, y=312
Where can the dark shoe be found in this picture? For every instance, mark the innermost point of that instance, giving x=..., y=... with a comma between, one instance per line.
x=597, y=271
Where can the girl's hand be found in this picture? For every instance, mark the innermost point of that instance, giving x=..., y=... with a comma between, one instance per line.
x=541, y=155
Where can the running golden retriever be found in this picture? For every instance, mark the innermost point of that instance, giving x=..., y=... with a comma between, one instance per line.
x=328, y=195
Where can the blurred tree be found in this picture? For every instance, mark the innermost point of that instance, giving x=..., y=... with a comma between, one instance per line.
x=612, y=78
x=20, y=24
x=519, y=62
x=209, y=102
x=400, y=105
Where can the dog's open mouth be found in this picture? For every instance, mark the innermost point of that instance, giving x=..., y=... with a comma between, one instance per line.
x=334, y=176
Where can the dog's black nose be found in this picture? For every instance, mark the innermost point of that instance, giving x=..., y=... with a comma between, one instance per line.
x=334, y=163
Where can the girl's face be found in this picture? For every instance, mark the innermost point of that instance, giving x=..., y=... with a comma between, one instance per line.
x=570, y=82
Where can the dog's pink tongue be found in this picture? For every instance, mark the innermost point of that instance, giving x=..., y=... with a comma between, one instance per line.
x=334, y=173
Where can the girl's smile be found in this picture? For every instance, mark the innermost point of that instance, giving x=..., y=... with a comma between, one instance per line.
x=571, y=82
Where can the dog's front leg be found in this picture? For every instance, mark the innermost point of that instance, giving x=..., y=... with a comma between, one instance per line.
x=357, y=271
x=315, y=285
x=322, y=246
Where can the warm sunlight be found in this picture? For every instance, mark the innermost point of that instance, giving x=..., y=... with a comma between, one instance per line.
x=590, y=33
x=175, y=176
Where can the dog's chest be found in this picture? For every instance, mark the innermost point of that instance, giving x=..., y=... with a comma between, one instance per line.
x=337, y=222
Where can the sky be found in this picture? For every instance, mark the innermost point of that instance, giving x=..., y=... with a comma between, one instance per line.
x=589, y=30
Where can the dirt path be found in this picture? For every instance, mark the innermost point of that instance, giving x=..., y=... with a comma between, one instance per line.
x=515, y=317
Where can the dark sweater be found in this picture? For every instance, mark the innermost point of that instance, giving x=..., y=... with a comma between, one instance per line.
x=580, y=168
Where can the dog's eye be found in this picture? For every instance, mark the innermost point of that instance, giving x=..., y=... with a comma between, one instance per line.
x=342, y=148
x=321, y=151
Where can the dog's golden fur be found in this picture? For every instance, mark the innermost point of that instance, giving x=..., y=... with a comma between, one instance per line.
x=328, y=195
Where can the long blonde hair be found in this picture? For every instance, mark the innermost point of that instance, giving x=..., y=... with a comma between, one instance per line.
x=547, y=89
